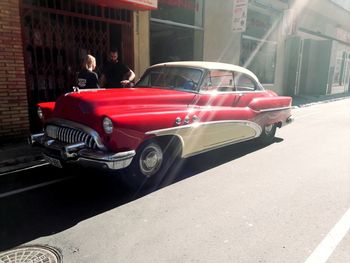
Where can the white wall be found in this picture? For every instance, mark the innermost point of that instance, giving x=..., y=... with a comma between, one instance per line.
x=220, y=43
x=141, y=41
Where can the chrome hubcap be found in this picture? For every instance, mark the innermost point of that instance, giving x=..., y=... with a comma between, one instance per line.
x=151, y=160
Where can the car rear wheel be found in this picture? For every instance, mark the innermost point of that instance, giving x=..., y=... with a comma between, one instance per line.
x=268, y=134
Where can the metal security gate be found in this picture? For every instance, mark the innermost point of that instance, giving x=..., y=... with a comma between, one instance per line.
x=57, y=34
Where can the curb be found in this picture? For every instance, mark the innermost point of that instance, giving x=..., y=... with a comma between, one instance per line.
x=21, y=166
x=320, y=102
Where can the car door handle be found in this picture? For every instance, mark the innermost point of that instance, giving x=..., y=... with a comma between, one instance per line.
x=237, y=99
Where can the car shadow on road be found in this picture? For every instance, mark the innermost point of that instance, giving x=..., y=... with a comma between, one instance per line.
x=189, y=167
x=45, y=211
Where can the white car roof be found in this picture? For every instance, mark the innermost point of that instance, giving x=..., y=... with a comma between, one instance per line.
x=209, y=65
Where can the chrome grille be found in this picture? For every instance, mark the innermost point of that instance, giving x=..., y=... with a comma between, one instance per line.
x=70, y=135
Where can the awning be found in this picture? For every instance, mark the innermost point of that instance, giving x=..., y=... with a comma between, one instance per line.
x=127, y=4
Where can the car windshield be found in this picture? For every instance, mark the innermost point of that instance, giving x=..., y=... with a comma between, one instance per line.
x=179, y=78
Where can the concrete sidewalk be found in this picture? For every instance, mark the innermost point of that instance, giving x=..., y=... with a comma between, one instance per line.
x=20, y=155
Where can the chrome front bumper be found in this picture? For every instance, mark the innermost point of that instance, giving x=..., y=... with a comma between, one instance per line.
x=54, y=150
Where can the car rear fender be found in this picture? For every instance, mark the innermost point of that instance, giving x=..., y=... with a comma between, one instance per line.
x=265, y=104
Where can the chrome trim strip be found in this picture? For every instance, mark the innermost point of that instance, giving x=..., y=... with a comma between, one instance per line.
x=275, y=109
x=74, y=147
x=248, y=123
x=71, y=124
x=65, y=135
x=242, y=92
x=113, y=161
x=60, y=134
x=108, y=157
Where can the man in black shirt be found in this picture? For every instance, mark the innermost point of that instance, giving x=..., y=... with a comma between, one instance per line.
x=87, y=79
x=115, y=74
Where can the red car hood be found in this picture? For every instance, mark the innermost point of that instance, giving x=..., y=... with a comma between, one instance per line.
x=88, y=106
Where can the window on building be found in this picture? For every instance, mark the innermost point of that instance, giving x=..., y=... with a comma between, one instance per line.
x=260, y=57
x=339, y=69
x=339, y=72
x=177, y=31
x=259, y=45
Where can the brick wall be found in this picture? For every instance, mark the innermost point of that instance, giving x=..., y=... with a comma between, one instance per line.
x=14, y=122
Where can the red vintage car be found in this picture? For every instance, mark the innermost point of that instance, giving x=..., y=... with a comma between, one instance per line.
x=176, y=109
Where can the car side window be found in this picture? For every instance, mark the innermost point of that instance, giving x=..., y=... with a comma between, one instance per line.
x=181, y=78
x=218, y=80
x=244, y=83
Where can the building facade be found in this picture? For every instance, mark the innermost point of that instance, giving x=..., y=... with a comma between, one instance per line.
x=43, y=43
x=317, y=54
x=258, y=46
x=14, y=118
x=176, y=31
x=296, y=47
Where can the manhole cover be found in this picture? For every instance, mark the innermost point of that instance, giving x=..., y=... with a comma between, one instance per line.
x=30, y=254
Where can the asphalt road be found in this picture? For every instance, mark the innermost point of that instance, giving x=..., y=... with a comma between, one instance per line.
x=287, y=202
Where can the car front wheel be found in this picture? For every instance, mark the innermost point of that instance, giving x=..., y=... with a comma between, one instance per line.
x=149, y=159
x=150, y=164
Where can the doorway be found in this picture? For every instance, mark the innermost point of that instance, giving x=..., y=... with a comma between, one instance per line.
x=56, y=37
x=314, y=67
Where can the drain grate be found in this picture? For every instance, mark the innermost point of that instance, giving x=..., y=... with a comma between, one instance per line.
x=31, y=254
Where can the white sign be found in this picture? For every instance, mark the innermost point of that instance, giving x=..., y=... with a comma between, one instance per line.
x=240, y=8
x=289, y=23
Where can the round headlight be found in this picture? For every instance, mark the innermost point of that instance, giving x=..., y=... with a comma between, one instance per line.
x=40, y=113
x=107, y=125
